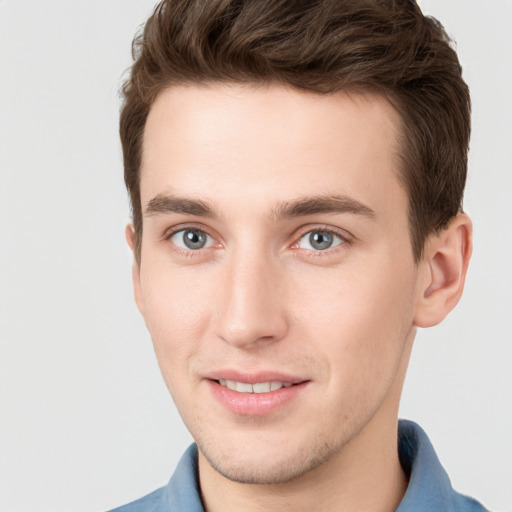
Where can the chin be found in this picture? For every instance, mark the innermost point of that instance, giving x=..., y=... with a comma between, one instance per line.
x=270, y=466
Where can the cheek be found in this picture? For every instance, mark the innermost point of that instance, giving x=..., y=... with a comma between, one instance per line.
x=360, y=321
x=174, y=297
x=176, y=314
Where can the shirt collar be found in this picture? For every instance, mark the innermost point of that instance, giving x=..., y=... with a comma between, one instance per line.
x=429, y=487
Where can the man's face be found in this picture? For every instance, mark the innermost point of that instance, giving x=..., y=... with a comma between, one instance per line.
x=275, y=251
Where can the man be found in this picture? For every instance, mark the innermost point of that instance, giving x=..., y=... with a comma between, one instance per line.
x=296, y=172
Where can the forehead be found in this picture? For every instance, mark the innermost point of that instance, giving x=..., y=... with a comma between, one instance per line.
x=269, y=144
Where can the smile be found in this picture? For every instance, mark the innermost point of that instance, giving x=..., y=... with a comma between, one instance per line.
x=258, y=387
x=258, y=398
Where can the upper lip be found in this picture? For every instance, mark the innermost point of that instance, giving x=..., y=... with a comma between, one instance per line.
x=254, y=377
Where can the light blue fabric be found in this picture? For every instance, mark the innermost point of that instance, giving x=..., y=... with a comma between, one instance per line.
x=181, y=494
x=429, y=488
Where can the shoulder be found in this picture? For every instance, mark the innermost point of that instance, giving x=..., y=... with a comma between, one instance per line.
x=148, y=503
x=181, y=493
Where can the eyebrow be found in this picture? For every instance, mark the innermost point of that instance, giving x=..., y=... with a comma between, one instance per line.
x=302, y=207
x=321, y=204
x=162, y=204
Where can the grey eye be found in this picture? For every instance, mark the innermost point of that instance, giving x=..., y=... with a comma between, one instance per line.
x=319, y=240
x=192, y=239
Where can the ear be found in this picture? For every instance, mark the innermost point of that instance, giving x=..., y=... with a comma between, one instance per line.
x=130, y=238
x=443, y=271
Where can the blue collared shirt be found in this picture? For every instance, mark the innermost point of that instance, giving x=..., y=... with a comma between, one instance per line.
x=429, y=488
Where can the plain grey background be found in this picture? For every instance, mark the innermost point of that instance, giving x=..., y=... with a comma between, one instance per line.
x=85, y=420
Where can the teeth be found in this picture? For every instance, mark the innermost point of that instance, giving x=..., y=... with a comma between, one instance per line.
x=262, y=387
x=243, y=387
x=275, y=385
x=259, y=387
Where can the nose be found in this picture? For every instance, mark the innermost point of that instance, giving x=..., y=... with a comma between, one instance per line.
x=252, y=304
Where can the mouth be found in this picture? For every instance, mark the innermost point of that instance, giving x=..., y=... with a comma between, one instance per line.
x=257, y=387
x=256, y=395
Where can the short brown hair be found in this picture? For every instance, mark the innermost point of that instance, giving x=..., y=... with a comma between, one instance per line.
x=321, y=46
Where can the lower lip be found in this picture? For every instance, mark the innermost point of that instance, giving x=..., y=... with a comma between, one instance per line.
x=254, y=404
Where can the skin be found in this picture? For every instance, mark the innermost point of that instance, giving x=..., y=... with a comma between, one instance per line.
x=259, y=296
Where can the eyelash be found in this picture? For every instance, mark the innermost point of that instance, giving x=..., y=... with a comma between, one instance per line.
x=190, y=253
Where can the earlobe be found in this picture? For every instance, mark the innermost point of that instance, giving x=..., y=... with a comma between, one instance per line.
x=130, y=239
x=443, y=267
